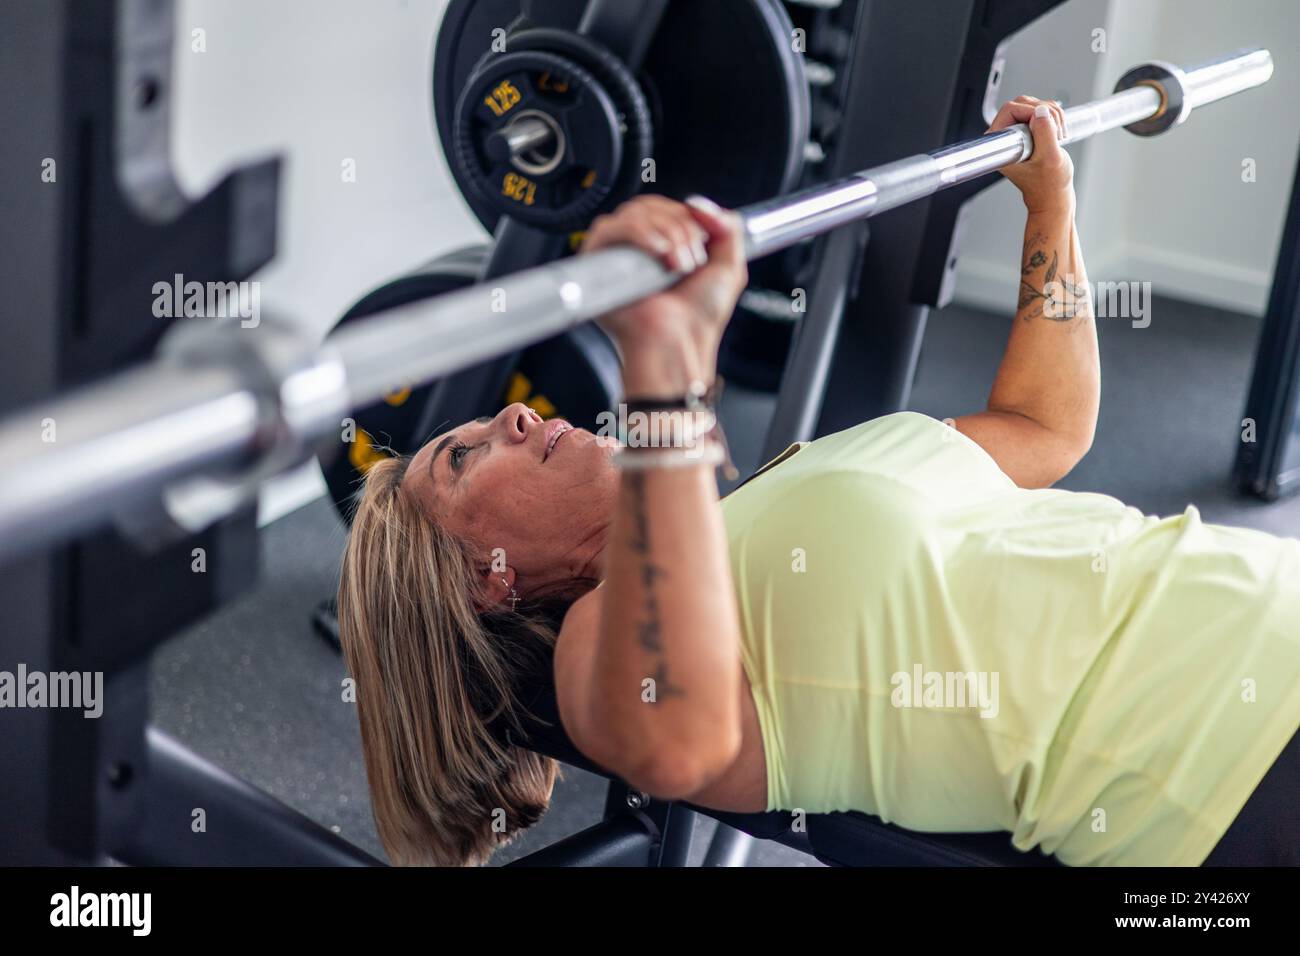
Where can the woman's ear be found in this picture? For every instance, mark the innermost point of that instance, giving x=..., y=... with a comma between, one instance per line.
x=496, y=589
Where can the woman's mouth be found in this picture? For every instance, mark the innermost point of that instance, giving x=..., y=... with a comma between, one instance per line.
x=553, y=432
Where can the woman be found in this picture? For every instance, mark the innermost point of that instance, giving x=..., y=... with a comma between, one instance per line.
x=899, y=618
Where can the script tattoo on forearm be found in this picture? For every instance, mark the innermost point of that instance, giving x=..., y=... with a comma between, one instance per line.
x=1034, y=299
x=649, y=631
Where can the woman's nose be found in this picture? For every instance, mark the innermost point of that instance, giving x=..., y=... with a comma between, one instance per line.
x=518, y=418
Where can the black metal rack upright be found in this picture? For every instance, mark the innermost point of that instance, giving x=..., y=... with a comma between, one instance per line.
x=1269, y=465
x=855, y=349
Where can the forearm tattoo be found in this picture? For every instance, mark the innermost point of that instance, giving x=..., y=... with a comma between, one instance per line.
x=1036, y=258
x=1033, y=299
x=649, y=630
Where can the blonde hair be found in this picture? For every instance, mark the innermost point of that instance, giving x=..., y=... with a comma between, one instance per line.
x=434, y=673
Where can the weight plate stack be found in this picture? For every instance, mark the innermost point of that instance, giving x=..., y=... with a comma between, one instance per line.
x=725, y=90
x=721, y=106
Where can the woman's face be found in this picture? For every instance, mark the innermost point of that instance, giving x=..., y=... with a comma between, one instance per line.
x=540, y=490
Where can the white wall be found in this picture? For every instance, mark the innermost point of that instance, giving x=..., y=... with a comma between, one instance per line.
x=1173, y=209
x=1181, y=215
x=319, y=82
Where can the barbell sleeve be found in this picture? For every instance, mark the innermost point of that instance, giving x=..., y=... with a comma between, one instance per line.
x=73, y=463
x=519, y=137
x=145, y=430
x=1232, y=74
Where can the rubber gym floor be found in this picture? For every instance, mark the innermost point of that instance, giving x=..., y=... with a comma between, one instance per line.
x=255, y=690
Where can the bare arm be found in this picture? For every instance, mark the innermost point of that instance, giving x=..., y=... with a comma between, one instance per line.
x=1042, y=410
x=657, y=698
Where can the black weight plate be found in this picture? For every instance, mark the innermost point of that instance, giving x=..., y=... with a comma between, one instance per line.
x=467, y=32
x=731, y=100
x=575, y=375
x=526, y=82
x=388, y=426
x=623, y=89
x=728, y=89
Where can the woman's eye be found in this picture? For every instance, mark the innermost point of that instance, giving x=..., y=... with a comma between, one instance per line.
x=458, y=455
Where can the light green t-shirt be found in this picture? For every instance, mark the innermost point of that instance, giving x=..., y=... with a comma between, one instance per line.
x=931, y=644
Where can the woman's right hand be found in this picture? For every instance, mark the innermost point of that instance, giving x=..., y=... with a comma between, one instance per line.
x=1046, y=179
x=671, y=339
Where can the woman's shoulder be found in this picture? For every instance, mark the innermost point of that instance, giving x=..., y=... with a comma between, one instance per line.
x=915, y=450
x=905, y=423
x=890, y=444
x=853, y=436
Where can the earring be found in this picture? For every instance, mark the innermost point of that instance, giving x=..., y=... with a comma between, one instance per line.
x=514, y=595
